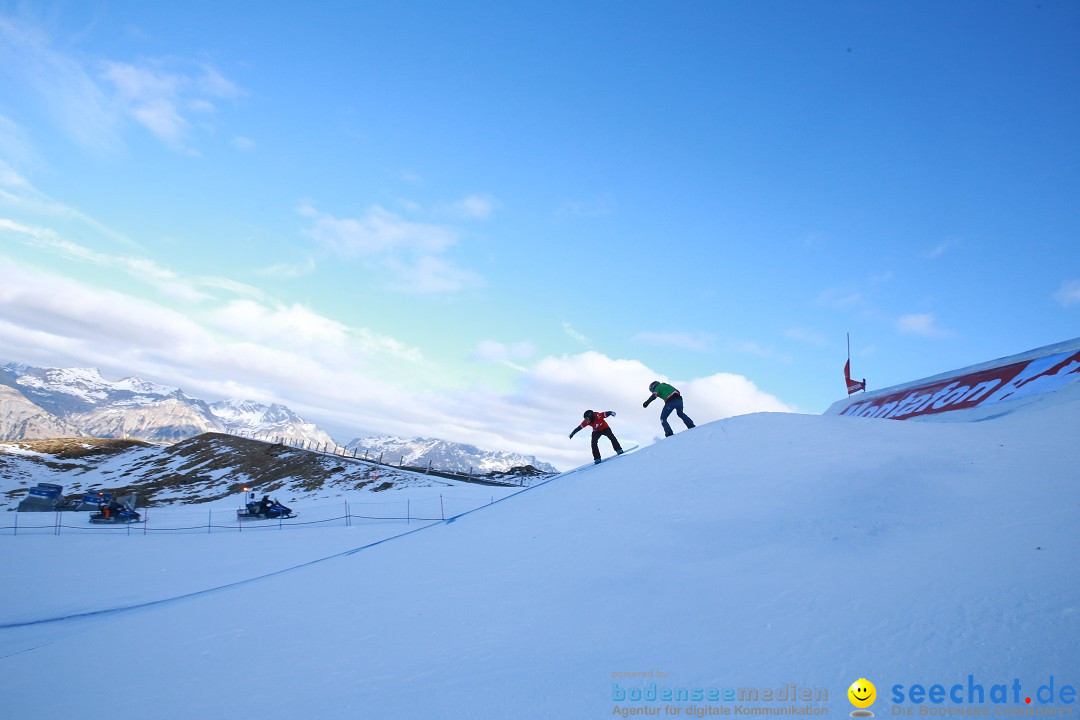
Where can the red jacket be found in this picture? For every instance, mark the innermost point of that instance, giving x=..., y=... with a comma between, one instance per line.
x=598, y=423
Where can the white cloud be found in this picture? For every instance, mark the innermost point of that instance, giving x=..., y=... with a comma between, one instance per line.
x=300, y=330
x=161, y=279
x=343, y=375
x=1069, y=293
x=157, y=98
x=293, y=326
x=40, y=234
x=430, y=274
x=70, y=97
x=922, y=324
x=726, y=394
x=378, y=232
x=290, y=270
x=576, y=335
x=289, y=351
x=87, y=98
x=214, y=84
x=17, y=192
x=44, y=312
x=407, y=253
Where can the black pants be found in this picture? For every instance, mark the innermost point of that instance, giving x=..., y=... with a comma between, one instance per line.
x=610, y=435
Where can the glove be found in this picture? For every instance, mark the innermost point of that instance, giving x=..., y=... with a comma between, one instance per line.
x=571, y=436
x=611, y=413
x=645, y=404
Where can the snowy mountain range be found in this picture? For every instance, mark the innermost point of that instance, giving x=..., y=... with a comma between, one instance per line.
x=58, y=402
x=39, y=403
x=443, y=455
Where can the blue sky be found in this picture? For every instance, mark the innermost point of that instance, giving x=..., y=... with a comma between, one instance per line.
x=473, y=220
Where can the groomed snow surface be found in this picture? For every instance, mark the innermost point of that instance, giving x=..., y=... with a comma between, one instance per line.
x=762, y=551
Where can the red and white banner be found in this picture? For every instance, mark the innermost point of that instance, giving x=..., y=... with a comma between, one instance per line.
x=976, y=389
x=853, y=386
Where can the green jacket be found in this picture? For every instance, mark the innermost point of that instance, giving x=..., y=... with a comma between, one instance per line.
x=664, y=391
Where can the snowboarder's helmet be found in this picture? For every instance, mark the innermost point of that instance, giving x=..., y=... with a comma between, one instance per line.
x=652, y=385
x=588, y=414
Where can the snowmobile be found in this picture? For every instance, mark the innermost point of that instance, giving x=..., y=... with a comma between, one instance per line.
x=260, y=511
x=115, y=513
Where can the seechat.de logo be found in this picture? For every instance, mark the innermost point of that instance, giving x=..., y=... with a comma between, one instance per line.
x=862, y=694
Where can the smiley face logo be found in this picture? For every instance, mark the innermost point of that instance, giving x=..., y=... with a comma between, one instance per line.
x=862, y=693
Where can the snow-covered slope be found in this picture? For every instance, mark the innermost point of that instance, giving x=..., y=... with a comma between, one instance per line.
x=762, y=552
x=443, y=455
x=203, y=469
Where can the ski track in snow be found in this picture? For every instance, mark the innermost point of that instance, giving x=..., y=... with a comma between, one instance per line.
x=352, y=551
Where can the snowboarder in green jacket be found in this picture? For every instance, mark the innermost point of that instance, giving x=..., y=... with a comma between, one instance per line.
x=673, y=402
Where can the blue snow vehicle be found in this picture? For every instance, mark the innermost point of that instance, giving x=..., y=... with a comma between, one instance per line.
x=266, y=509
x=116, y=512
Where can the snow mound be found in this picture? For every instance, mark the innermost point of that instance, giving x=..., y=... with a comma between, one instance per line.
x=761, y=551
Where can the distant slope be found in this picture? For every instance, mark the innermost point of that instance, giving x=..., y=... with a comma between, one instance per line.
x=443, y=455
x=203, y=469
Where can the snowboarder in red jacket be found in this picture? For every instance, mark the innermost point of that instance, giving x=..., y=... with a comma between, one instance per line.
x=600, y=427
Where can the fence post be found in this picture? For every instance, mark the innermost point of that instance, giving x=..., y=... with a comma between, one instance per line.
x=145, y=520
x=428, y=468
x=348, y=520
x=16, y=522
x=59, y=520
